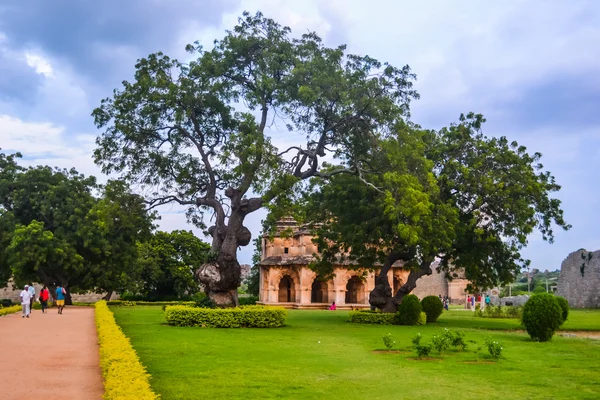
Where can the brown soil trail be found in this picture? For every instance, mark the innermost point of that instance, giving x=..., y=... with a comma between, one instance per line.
x=50, y=356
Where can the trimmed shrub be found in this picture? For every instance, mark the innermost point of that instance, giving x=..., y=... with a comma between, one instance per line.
x=433, y=307
x=248, y=301
x=500, y=312
x=422, y=318
x=409, y=311
x=6, y=302
x=370, y=317
x=10, y=310
x=542, y=316
x=564, y=307
x=247, y=316
x=124, y=376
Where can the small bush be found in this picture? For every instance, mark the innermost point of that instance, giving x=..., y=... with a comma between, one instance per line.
x=423, y=349
x=499, y=312
x=6, y=302
x=248, y=301
x=369, y=317
x=149, y=303
x=416, y=340
x=542, y=316
x=441, y=342
x=422, y=318
x=10, y=310
x=388, y=341
x=494, y=348
x=433, y=307
x=124, y=376
x=564, y=307
x=205, y=302
x=409, y=311
x=247, y=316
x=458, y=340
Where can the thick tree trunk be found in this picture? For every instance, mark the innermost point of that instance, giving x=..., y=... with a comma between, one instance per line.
x=381, y=296
x=222, y=277
x=411, y=282
x=107, y=296
x=68, y=299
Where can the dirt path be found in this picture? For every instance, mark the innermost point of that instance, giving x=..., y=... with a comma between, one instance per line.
x=50, y=356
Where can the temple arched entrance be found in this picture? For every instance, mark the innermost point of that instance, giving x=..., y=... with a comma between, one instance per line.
x=355, y=291
x=319, y=292
x=287, y=294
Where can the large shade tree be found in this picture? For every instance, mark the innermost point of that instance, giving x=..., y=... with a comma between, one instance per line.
x=60, y=227
x=456, y=196
x=196, y=133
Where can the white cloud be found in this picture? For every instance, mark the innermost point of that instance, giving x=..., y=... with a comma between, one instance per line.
x=44, y=143
x=39, y=63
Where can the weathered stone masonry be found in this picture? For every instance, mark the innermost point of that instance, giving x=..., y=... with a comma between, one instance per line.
x=582, y=290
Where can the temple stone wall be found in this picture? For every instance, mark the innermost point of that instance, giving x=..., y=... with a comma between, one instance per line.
x=580, y=290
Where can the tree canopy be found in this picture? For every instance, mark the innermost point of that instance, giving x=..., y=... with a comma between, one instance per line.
x=167, y=262
x=197, y=134
x=60, y=227
x=452, y=195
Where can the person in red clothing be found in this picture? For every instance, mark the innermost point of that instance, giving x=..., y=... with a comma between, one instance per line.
x=332, y=306
x=44, y=296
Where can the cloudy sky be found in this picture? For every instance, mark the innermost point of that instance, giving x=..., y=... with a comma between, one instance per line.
x=531, y=67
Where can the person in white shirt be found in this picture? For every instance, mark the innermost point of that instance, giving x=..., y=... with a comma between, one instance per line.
x=26, y=301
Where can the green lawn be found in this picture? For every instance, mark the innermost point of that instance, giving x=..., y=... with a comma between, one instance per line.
x=318, y=355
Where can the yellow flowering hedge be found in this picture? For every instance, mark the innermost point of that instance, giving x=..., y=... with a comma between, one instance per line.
x=245, y=316
x=9, y=310
x=124, y=376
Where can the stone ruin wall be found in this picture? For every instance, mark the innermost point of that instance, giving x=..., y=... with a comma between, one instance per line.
x=580, y=291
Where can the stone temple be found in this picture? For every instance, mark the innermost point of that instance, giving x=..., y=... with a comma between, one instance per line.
x=286, y=280
x=579, y=280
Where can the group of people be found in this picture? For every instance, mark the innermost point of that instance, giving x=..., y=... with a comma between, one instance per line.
x=482, y=300
x=445, y=301
x=28, y=298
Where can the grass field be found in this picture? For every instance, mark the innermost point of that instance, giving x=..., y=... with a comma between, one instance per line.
x=318, y=355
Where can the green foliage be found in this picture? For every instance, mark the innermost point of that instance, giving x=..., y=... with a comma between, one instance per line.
x=442, y=341
x=433, y=194
x=149, y=303
x=500, y=312
x=6, y=302
x=167, y=263
x=433, y=307
x=248, y=301
x=542, y=315
x=377, y=318
x=248, y=316
x=458, y=340
x=416, y=340
x=564, y=307
x=205, y=302
x=409, y=311
x=388, y=341
x=55, y=231
x=494, y=348
x=422, y=318
x=423, y=349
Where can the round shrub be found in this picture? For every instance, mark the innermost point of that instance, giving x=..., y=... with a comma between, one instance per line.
x=433, y=307
x=542, y=316
x=409, y=310
x=564, y=307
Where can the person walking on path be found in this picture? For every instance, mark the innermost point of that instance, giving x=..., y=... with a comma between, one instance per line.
x=44, y=296
x=32, y=293
x=26, y=301
x=60, y=298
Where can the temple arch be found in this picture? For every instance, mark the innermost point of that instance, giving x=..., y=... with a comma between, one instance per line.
x=319, y=292
x=355, y=291
x=287, y=292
